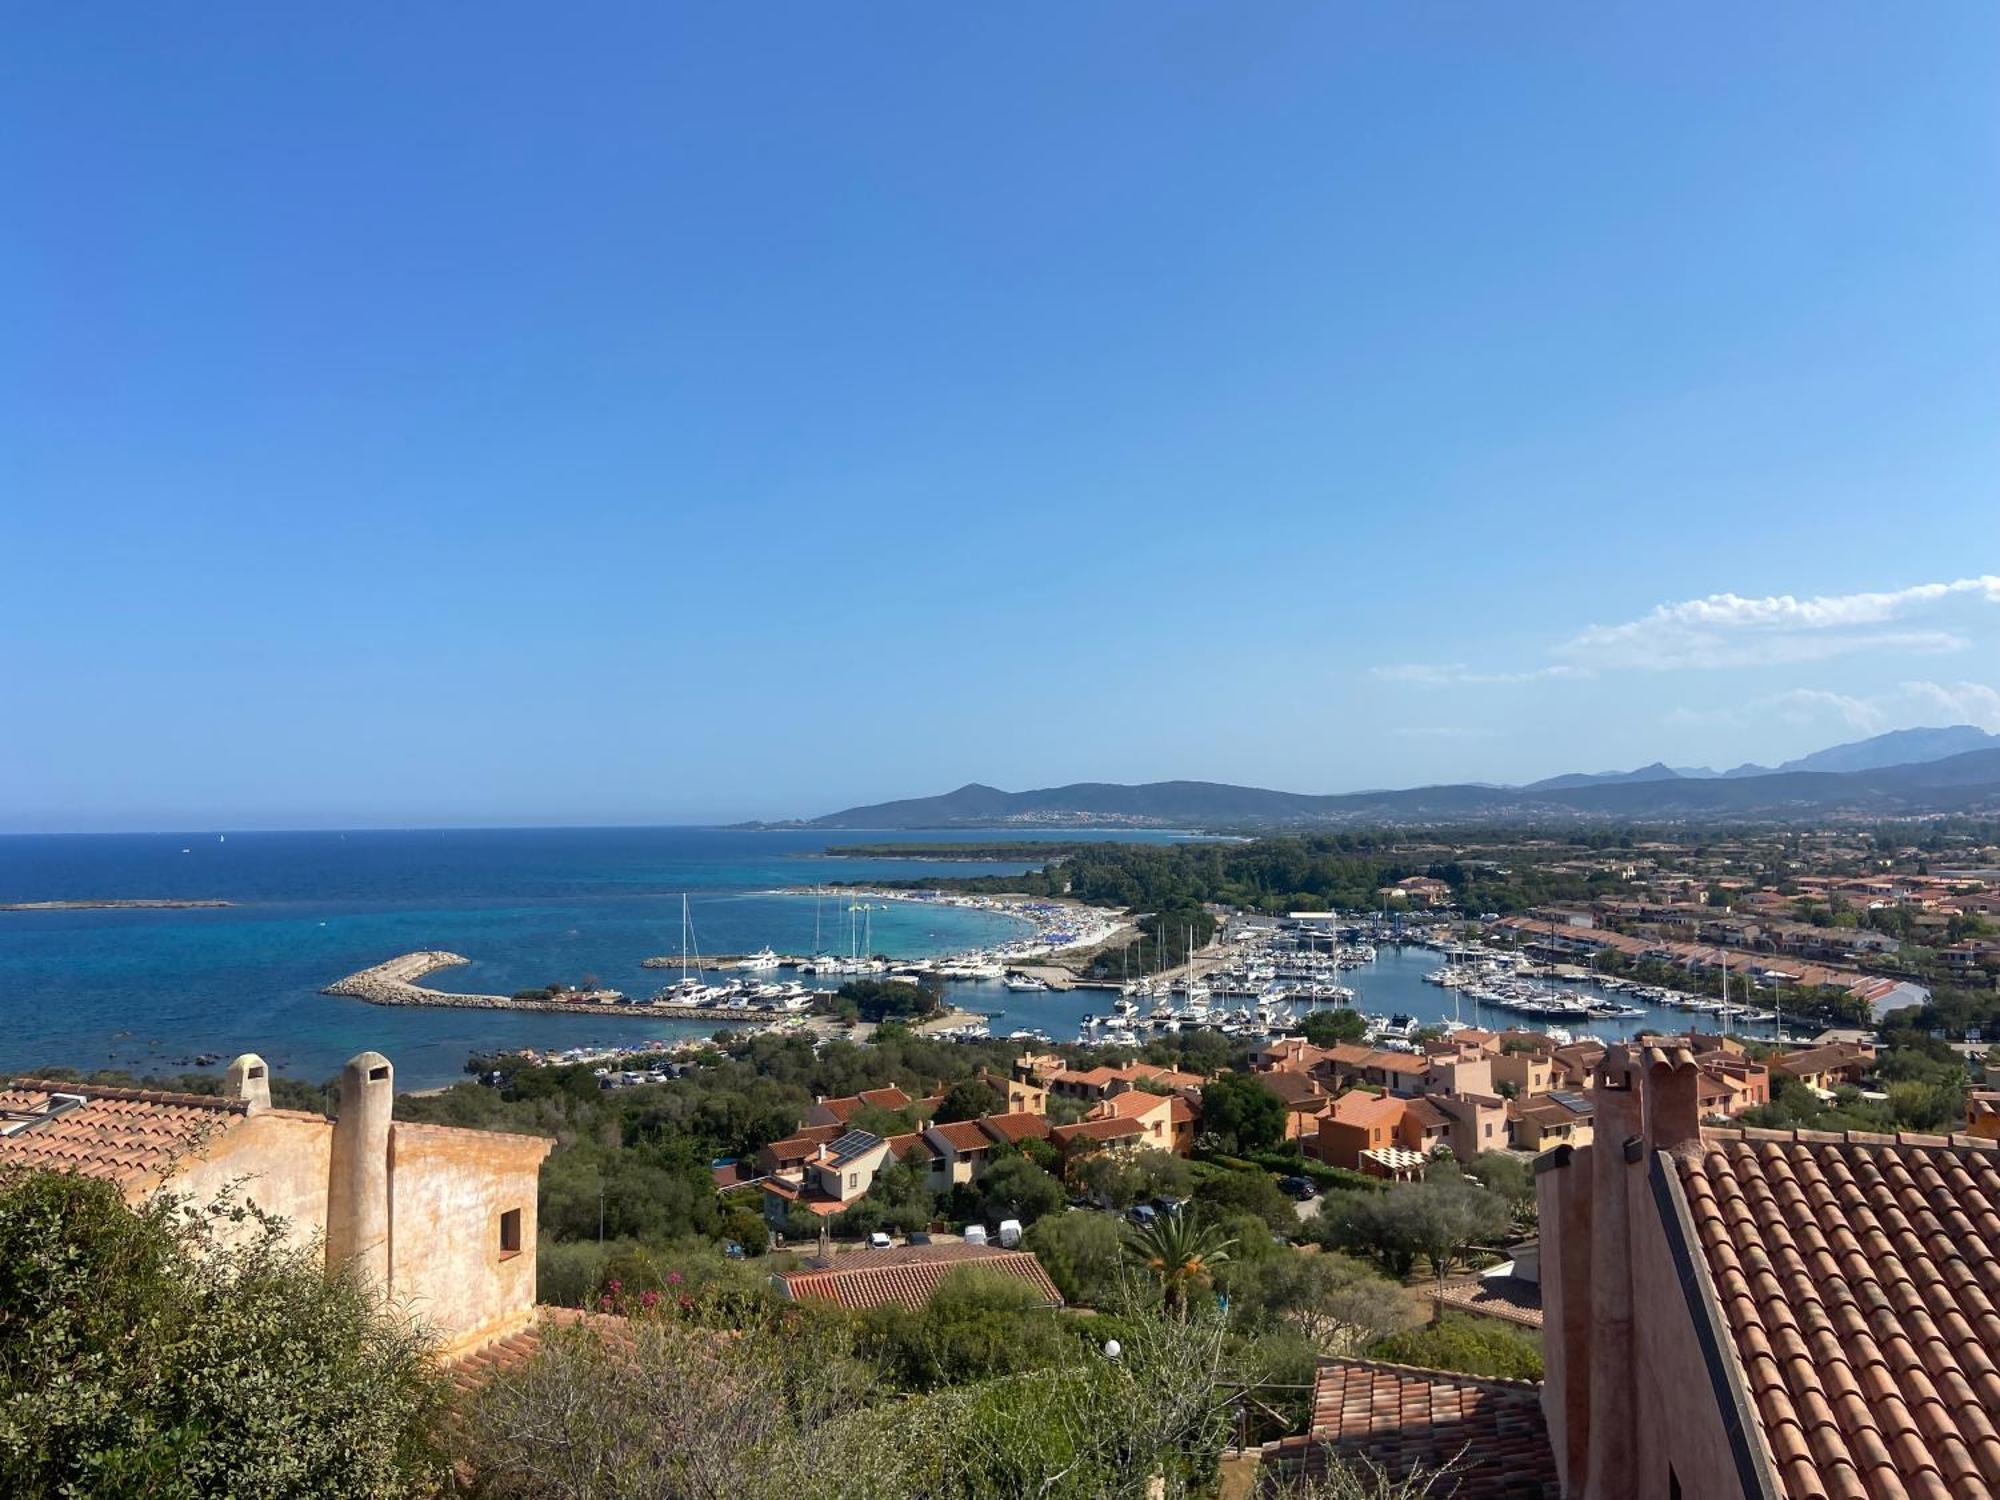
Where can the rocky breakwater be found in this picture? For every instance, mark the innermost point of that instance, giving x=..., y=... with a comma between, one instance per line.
x=395, y=983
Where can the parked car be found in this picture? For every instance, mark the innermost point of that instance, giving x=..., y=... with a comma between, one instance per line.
x=916, y=1237
x=733, y=1250
x=1168, y=1204
x=1142, y=1214
x=1302, y=1188
x=879, y=1241
x=1010, y=1232
x=975, y=1234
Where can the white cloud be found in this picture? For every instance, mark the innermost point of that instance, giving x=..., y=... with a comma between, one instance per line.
x=1458, y=674
x=1730, y=630
x=1908, y=705
x=1959, y=702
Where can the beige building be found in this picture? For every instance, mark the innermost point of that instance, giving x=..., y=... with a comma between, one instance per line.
x=442, y=1219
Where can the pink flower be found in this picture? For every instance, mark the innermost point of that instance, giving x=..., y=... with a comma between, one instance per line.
x=674, y=1278
x=614, y=1286
x=605, y=1303
x=649, y=1300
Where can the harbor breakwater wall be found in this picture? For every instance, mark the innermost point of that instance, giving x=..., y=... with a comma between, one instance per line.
x=395, y=983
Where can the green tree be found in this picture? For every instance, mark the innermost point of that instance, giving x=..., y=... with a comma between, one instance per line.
x=970, y=1098
x=1240, y=1114
x=1083, y=1253
x=1327, y=1028
x=182, y=1352
x=1015, y=1188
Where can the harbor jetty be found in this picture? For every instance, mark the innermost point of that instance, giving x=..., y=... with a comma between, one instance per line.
x=395, y=983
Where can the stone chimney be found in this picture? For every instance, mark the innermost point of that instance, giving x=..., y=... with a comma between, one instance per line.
x=1616, y=1098
x=1672, y=1099
x=357, y=1208
x=248, y=1079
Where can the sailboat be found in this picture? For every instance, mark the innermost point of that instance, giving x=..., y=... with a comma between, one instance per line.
x=689, y=991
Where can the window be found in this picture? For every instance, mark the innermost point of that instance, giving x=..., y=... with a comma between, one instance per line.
x=257, y=1072
x=510, y=1233
x=854, y=1179
x=377, y=1075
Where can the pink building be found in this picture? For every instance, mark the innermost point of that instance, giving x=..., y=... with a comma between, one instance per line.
x=1758, y=1313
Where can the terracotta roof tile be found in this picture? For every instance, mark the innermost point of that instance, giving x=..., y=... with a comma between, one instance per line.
x=1400, y=1419
x=1015, y=1128
x=125, y=1135
x=1858, y=1288
x=909, y=1275
x=1097, y=1130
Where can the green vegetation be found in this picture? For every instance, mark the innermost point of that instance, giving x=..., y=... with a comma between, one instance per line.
x=177, y=1352
x=1240, y=1114
x=1473, y=1346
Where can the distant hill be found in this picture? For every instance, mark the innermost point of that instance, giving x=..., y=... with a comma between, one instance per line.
x=1968, y=782
x=1655, y=772
x=1899, y=747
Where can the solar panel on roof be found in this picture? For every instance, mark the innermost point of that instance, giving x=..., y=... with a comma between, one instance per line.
x=854, y=1143
x=1572, y=1101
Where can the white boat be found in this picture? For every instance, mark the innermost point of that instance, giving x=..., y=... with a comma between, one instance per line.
x=763, y=958
x=1025, y=982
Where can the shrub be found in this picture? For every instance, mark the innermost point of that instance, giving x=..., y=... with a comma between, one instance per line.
x=176, y=1351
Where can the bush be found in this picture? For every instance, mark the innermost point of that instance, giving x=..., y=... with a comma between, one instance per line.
x=180, y=1352
x=1083, y=1252
x=1471, y=1346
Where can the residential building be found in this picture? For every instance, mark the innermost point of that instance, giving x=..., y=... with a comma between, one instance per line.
x=440, y=1218
x=1356, y=1125
x=1827, y=1068
x=833, y=1175
x=1563, y=1118
x=1528, y=1072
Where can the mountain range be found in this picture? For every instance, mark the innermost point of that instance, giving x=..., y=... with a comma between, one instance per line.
x=1903, y=773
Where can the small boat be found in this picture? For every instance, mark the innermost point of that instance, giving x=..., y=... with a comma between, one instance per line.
x=763, y=958
x=1024, y=982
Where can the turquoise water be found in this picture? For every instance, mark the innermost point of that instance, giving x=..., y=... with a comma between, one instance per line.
x=146, y=989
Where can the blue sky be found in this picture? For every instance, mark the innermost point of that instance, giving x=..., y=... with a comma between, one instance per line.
x=671, y=413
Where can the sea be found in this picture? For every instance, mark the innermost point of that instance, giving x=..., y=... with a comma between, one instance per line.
x=149, y=991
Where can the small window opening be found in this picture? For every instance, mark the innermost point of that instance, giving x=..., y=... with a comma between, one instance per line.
x=376, y=1075
x=257, y=1072
x=510, y=1232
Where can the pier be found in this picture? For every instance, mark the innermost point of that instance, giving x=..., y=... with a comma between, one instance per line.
x=395, y=983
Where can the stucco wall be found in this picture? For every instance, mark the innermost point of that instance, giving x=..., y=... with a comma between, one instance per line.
x=447, y=1190
x=1680, y=1412
x=277, y=1159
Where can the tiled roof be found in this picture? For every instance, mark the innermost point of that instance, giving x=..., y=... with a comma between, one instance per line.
x=1858, y=1278
x=963, y=1135
x=1402, y=1419
x=1019, y=1127
x=1823, y=1059
x=1359, y=1107
x=477, y=1366
x=1097, y=1130
x=796, y=1148
x=126, y=1135
x=1505, y=1297
x=1297, y=1090
x=1426, y=1114
x=845, y=1109
x=909, y=1275
x=1136, y=1104
x=900, y=1146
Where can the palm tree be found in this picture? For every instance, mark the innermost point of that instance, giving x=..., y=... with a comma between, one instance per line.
x=1179, y=1253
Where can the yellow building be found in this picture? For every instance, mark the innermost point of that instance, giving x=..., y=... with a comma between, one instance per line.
x=442, y=1219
